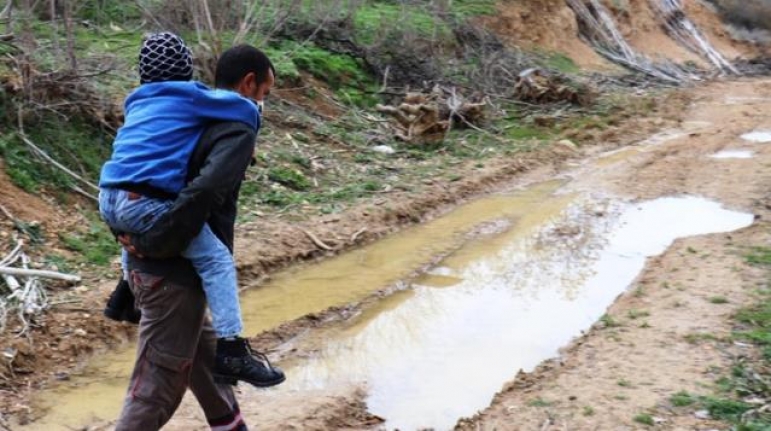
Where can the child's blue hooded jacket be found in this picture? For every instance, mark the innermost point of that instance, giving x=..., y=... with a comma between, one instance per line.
x=163, y=124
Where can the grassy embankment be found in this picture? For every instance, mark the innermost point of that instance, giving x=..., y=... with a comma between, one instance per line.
x=315, y=154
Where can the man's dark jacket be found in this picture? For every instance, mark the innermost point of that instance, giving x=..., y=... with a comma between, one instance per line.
x=216, y=171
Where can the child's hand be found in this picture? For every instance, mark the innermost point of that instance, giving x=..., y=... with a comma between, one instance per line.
x=125, y=240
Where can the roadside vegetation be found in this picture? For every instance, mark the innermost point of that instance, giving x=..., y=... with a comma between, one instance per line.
x=742, y=397
x=325, y=145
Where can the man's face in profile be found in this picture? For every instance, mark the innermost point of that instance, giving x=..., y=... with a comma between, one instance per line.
x=251, y=89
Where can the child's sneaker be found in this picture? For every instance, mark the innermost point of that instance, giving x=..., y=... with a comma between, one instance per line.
x=236, y=361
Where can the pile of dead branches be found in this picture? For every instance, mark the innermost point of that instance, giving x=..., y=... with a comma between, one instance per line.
x=536, y=87
x=683, y=30
x=598, y=28
x=22, y=293
x=67, y=92
x=427, y=117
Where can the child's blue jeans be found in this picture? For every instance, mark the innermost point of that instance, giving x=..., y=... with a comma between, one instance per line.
x=210, y=257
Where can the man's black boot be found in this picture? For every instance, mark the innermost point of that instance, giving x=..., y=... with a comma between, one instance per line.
x=120, y=306
x=236, y=361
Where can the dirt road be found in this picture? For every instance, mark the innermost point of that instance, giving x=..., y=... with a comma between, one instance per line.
x=660, y=341
x=658, y=338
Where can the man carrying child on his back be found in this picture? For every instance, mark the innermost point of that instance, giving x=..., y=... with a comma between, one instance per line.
x=165, y=118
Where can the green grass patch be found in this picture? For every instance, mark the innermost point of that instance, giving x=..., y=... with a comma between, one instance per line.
x=377, y=20
x=749, y=376
x=288, y=177
x=73, y=143
x=636, y=314
x=725, y=409
x=560, y=62
x=609, y=321
x=682, y=399
x=524, y=132
x=344, y=74
x=471, y=8
x=759, y=256
x=645, y=419
x=337, y=70
x=699, y=337
x=758, y=315
x=95, y=243
x=539, y=402
x=718, y=300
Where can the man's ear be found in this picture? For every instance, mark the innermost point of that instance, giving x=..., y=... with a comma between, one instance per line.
x=247, y=85
x=251, y=82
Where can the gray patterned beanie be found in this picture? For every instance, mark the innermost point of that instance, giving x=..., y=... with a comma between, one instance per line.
x=165, y=57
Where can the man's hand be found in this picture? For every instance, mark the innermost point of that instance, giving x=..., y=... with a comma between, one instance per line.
x=125, y=240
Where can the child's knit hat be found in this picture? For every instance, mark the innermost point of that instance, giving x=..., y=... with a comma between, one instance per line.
x=165, y=57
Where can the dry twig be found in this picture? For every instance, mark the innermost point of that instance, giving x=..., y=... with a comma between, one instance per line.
x=356, y=234
x=316, y=240
x=24, y=294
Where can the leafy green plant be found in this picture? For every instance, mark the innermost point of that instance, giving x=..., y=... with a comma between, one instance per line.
x=682, y=399
x=725, y=409
x=289, y=178
x=645, y=419
x=609, y=321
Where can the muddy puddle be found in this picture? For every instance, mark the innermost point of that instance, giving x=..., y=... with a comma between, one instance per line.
x=96, y=394
x=495, y=286
x=440, y=350
x=733, y=154
x=541, y=268
x=759, y=136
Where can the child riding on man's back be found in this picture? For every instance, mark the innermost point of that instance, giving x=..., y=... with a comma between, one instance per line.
x=164, y=119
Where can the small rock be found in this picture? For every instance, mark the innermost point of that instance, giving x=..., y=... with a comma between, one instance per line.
x=702, y=414
x=9, y=353
x=383, y=149
x=80, y=332
x=568, y=144
x=658, y=420
x=61, y=376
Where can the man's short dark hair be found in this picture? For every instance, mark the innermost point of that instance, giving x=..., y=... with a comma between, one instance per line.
x=239, y=61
